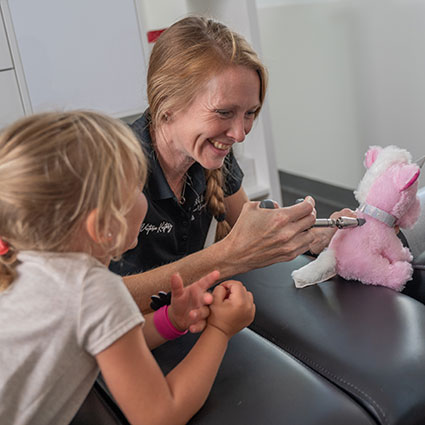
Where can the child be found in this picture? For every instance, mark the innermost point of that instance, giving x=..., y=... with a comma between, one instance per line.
x=70, y=200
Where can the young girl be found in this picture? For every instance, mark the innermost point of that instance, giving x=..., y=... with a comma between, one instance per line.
x=70, y=200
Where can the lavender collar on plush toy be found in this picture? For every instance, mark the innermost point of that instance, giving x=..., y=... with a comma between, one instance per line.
x=373, y=254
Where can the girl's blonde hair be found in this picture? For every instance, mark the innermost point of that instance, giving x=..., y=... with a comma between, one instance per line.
x=183, y=59
x=57, y=167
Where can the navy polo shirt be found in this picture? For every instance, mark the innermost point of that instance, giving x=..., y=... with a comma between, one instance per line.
x=170, y=230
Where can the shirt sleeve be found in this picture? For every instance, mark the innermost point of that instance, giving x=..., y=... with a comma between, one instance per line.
x=233, y=175
x=107, y=310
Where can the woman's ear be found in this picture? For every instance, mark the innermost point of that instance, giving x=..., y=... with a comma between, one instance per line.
x=168, y=115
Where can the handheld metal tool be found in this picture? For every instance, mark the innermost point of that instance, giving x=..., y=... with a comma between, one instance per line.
x=340, y=222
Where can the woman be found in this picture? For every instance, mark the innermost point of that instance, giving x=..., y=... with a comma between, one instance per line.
x=205, y=88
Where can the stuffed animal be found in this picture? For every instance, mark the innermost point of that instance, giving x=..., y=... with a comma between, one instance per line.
x=373, y=253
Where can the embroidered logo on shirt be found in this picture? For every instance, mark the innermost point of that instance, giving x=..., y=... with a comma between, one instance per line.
x=199, y=203
x=164, y=227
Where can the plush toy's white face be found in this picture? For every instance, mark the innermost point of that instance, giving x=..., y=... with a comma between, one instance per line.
x=390, y=184
x=395, y=189
x=378, y=160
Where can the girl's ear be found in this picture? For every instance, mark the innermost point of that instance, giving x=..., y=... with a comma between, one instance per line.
x=91, y=226
x=91, y=229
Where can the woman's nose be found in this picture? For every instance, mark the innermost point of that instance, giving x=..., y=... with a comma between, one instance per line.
x=237, y=130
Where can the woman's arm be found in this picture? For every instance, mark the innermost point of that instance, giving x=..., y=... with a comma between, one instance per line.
x=234, y=204
x=259, y=237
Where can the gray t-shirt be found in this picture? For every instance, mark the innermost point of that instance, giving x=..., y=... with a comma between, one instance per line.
x=61, y=310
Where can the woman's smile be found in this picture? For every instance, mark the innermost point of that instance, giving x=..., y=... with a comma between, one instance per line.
x=225, y=148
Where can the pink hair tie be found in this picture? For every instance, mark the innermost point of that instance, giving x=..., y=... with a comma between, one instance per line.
x=4, y=247
x=163, y=325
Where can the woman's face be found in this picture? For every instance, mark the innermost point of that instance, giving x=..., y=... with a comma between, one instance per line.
x=220, y=115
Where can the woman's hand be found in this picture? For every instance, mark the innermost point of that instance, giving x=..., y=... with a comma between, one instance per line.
x=189, y=305
x=322, y=236
x=261, y=237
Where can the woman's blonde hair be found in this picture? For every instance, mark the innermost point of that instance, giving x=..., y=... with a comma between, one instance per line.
x=183, y=59
x=57, y=167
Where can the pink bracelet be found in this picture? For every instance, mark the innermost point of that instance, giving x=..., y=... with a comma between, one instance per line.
x=164, y=326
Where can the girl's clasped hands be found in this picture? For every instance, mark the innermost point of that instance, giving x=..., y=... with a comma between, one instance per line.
x=229, y=308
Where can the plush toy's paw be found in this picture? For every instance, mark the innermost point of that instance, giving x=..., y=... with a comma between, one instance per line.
x=393, y=276
x=319, y=270
x=406, y=255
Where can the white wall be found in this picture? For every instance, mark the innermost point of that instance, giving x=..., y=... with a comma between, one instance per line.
x=344, y=74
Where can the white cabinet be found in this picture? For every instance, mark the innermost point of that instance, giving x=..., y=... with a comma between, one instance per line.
x=80, y=54
x=10, y=100
x=5, y=57
x=11, y=107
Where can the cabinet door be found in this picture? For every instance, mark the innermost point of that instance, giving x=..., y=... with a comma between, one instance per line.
x=81, y=54
x=5, y=59
x=10, y=100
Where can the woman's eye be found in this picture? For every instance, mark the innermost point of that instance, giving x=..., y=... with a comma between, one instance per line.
x=223, y=113
x=252, y=114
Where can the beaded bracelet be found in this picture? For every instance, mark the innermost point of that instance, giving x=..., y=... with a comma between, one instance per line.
x=164, y=326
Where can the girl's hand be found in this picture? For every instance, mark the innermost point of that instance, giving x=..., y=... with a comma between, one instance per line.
x=323, y=236
x=232, y=309
x=189, y=305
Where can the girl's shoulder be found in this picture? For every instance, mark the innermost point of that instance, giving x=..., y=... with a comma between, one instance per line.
x=62, y=270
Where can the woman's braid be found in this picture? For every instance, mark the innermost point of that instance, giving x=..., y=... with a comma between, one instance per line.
x=215, y=201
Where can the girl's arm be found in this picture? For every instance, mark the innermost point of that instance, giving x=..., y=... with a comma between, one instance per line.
x=137, y=383
x=188, y=309
x=259, y=237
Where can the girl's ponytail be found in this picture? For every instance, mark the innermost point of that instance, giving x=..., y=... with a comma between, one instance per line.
x=8, y=263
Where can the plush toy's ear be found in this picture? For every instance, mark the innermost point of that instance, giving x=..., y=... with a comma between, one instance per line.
x=406, y=176
x=371, y=155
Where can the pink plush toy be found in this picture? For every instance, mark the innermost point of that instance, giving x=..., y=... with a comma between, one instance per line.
x=372, y=253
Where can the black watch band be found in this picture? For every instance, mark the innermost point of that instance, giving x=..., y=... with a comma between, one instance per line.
x=158, y=301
